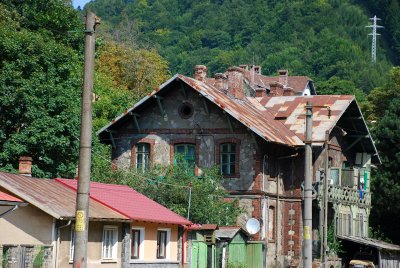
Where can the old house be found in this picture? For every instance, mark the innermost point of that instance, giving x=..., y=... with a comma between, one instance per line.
x=126, y=229
x=252, y=127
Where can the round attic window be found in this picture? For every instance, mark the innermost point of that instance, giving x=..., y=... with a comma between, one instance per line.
x=185, y=110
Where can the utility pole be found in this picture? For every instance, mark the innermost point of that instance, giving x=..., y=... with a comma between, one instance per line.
x=325, y=205
x=374, y=26
x=82, y=197
x=307, y=221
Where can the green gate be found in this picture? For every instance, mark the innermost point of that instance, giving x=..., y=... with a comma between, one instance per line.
x=199, y=255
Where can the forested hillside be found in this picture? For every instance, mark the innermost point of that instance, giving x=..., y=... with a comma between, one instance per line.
x=321, y=39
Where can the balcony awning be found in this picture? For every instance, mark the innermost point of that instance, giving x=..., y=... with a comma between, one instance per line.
x=378, y=244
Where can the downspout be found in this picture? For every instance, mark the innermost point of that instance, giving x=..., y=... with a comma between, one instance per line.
x=184, y=235
x=58, y=241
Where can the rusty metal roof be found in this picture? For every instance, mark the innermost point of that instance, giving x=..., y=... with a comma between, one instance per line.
x=371, y=242
x=259, y=121
x=290, y=111
x=278, y=119
x=52, y=197
x=297, y=83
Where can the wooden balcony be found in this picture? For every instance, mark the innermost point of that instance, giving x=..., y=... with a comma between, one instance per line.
x=347, y=195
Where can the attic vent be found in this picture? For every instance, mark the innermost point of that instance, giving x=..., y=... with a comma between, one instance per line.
x=280, y=117
x=185, y=110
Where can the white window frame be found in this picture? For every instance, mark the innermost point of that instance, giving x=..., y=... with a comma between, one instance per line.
x=167, y=253
x=144, y=155
x=114, y=250
x=141, y=246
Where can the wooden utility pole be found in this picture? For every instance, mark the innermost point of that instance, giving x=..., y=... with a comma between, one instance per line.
x=325, y=205
x=82, y=197
x=307, y=221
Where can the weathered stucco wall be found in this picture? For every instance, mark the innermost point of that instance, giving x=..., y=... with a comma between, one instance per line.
x=94, y=246
x=26, y=225
x=202, y=128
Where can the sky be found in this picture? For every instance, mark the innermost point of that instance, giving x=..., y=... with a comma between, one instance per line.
x=81, y=3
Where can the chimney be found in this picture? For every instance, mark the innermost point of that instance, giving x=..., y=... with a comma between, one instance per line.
x=200, y=72
x=25, y=166
x=288, y=91
x=244, y=67
x=220, y=81
x=257, y=69
x=260, y=92
x=275, y=89
x=283, y=77
x=235, y=82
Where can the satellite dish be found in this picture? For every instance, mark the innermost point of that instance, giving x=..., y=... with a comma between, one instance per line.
x=252, y=226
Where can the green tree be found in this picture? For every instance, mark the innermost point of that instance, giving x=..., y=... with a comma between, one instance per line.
x=380, y=97
x=385, y=184
x=169, y=186
x=39, y=92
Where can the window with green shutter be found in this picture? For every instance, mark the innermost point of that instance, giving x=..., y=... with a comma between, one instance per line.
x=185, y=153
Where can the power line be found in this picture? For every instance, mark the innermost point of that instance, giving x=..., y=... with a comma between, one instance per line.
x=374, y=26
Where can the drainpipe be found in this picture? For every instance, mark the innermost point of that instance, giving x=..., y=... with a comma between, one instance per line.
x=58, y=241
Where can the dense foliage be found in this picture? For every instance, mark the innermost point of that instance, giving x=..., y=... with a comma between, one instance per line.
x=386, y=184
x=39, y=86
x=388, y=11
x=320, y=39
x=169, y=186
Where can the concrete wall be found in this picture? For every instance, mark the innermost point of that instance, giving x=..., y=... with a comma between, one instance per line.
x=150, y=241
x=26, y=225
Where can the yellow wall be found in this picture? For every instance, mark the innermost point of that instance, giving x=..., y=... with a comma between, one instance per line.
x=150, y=240
x=94, y=246
x=26, y=225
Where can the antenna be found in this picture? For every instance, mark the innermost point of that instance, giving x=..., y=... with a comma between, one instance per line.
x=374, y=26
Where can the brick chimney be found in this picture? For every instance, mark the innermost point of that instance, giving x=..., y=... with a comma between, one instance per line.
x=220, y=81
x=260, y=92
x=236, y=82
x=275, y=89
x=257, y=69
x=283, y=77
x=288, y=91
x=25, y=166
x=200, y=72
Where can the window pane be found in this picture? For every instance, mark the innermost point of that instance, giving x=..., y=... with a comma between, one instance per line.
x=142, y=156
x=228, y=158
x=135, y=244
x=109, y=243
x=187, y=154
x=161, y=244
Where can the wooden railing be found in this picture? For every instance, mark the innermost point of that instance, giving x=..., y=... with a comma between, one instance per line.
x=343, y=194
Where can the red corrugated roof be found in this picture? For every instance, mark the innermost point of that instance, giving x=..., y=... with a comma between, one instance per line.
x=6, y=197
x=129, y=202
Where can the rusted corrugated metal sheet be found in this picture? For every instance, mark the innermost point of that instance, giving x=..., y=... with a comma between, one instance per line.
x=290, y=111
x=52, y=197
x=260, y=122
x=275, y=119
